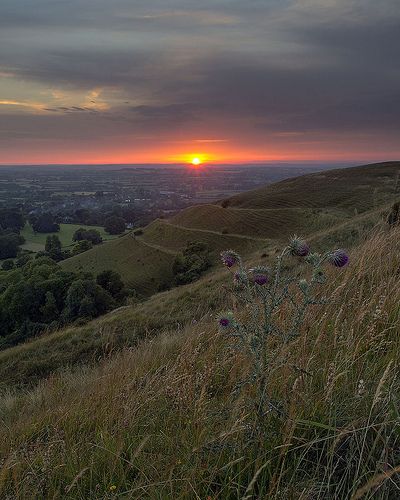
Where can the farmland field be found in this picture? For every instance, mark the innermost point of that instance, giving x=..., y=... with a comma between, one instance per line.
x=36, y=242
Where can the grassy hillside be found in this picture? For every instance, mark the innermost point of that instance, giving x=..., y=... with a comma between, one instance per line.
x=258, y=220
x=274, y=223
x=347, y=189
x=175, y=237
x=161, y=421
x=143, y=402
x=35, y=242
x=143, y=267
x=176, y=309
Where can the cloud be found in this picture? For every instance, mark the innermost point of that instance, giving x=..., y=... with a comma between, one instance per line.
x=224, y=67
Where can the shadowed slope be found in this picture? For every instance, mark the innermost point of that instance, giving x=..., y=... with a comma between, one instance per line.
x=346, y=188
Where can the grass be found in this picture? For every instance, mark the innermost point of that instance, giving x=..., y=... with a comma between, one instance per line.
x=27, y=364
x=35, y=242
x=142, y=267
x=360, y=188
x=158, y=421
x=273, y=223
x=138, y=404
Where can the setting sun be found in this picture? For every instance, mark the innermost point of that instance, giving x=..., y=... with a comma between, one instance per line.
x=196, y=161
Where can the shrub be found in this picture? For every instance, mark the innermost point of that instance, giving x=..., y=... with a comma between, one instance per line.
x=91, y=235
x=191, y=263
x=114, y=225
x=7, y=265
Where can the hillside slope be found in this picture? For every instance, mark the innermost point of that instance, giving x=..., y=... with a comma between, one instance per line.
x=161, y=421
x=257, y=220
x=347, y=188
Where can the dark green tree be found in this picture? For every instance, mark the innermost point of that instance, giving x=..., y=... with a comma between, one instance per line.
x=49, y=309
x=9, y=245
x=114, y=225
x=111, y=282
x=91, y=235
x=53, y=247
x=7, y=265
x=45, y=223
x=82, y=246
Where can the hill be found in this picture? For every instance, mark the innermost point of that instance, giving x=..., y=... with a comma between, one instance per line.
x=160, y=420
x=257, y=220
x=143, y=402
x=346, y=189
x=142, y=266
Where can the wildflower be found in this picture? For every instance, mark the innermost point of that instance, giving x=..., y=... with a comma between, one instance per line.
x=260, y=279
x=225, y=321
x=299, y=247
x=338, y=258
x=229, y=258
x=113, y=487
x=259, y=275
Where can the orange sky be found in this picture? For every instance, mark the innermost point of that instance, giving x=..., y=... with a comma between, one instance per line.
x=165, y=80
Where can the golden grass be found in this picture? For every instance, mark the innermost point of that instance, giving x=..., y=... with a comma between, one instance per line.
x=158, y=421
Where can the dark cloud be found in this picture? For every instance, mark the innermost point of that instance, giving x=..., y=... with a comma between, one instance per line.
x=274, y=66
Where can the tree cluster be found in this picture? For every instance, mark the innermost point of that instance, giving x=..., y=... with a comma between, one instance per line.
x=44, y=223
x=191, y=263
x=41, y=296
x=91, y=235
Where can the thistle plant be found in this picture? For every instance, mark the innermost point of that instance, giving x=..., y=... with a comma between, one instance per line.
x=275, y=304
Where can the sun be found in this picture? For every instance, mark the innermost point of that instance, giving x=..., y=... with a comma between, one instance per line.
x=196, y=161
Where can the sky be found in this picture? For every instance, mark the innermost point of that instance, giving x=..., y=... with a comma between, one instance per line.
x=133, y=81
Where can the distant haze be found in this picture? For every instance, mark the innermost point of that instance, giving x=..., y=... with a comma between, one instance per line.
x=124, y=81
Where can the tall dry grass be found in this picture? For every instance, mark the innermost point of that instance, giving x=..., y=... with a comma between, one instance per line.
x=160, y=421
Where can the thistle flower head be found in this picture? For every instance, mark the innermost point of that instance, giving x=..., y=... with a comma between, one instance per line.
x=225, y=320
x=298, y=247
x=229, y=258
x=259, y=275
x=338, y=258
x=260, y=279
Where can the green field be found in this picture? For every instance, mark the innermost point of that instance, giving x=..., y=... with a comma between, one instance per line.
x=36, y=242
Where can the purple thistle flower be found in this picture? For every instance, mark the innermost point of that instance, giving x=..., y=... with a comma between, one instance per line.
x=299, y=247
x=260, y=279
x=224, y=322
x=338, y=258
x=229, y=258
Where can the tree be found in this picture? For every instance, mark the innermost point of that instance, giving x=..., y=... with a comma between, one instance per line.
x=86, y=299
x=191, y=264
x=53, y=247
x=11, y=219
x=111, y=282
x=7, y=265
x=82, y=246
x=22, y=259
x=91, y=235
x=49, y=310
x=45, y=223
x=114, y=225
x=9, y=244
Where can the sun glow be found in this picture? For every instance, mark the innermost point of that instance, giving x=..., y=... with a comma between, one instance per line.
x=196, y=161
